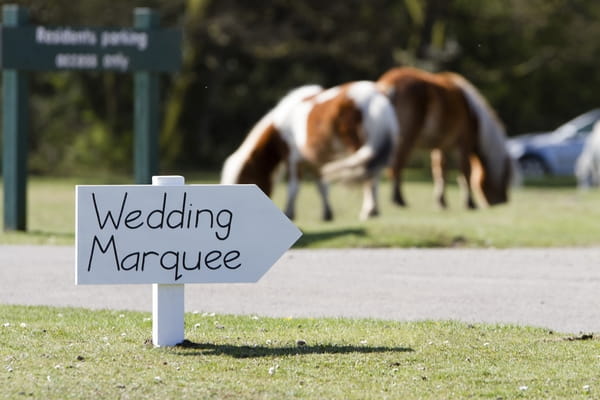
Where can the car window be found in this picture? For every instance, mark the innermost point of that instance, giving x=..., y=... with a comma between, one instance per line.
x=583, y=131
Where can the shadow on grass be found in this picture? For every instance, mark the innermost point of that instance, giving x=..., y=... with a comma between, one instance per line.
x=309, y=238
x=207, y=349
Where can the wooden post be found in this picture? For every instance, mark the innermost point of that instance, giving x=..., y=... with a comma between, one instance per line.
x=14, y=126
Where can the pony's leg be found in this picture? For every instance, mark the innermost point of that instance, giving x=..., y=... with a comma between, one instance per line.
x=369, y=207
x=464, y=182
x=438, y=171
x=293, y=188
x=401, y=154
x=396, y=170
x=324, y=192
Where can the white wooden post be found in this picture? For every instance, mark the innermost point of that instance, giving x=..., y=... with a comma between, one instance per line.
x=168, y=306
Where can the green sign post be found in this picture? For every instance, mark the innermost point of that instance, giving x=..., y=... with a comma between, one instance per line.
x=14, y=127
x=145, y=49
x=146, y=88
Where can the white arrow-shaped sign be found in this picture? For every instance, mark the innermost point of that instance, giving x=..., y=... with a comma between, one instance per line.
x=178, y=234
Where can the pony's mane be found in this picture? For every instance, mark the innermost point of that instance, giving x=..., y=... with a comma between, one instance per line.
x=236, y=161
x=492, y=135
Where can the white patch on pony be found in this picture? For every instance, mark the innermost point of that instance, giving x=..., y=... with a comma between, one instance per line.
x=286, y=105
x=290, y=118
x=296, y=130
x=379, y=116
x=293, y=127
x=378, y=113
x=362, y=92
x=327, y=95
x=292, y=121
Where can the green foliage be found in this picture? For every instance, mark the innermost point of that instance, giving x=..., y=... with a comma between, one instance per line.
x=64, y=353
x=65, y=136
x=535, y=60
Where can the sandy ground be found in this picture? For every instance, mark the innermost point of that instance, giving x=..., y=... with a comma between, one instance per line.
x=553, y=288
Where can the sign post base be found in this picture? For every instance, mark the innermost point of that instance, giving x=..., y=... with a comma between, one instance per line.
x=168, y=311
x=168, y=301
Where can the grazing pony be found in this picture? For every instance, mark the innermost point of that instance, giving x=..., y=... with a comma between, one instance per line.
x=345, y=133
x=587, y=167
x=443, y=112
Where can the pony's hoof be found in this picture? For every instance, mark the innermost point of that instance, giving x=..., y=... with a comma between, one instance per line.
x=327, y=216
x=369, y=214
x=399, y=201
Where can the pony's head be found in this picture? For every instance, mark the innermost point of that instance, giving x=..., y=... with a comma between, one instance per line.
x=491, y=183
x=497, y=164
x=256, y=161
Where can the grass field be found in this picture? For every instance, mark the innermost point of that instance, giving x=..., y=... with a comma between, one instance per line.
x=62, y=353
x=553, y=214
x=55, y=353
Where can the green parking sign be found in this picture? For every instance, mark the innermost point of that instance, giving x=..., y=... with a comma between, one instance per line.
x=144, y=50
x=42, y=48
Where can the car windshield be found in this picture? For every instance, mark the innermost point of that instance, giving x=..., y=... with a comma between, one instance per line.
x=581, y=123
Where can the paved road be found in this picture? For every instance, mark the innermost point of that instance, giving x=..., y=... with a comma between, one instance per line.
x=554, y=288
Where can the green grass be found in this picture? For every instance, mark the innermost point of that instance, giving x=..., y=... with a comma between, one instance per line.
x=62, y=353
x=55, y=353
x=534, y=217
x=541, y=214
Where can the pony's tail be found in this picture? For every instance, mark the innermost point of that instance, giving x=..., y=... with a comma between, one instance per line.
x=354, y=168
x=491, y=131
x=380, y=121
x=492, y=135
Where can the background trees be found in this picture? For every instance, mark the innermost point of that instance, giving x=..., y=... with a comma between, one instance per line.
x=535, y=60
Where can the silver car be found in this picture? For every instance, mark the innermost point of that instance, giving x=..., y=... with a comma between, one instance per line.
x=553, y=153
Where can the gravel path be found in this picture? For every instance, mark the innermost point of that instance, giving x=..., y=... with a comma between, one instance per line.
x=552, y=288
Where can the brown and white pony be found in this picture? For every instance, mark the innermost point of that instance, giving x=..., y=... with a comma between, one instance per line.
x=345, y=133
x=444, y=112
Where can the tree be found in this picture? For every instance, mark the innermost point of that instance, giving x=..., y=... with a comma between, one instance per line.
x=535, y=61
